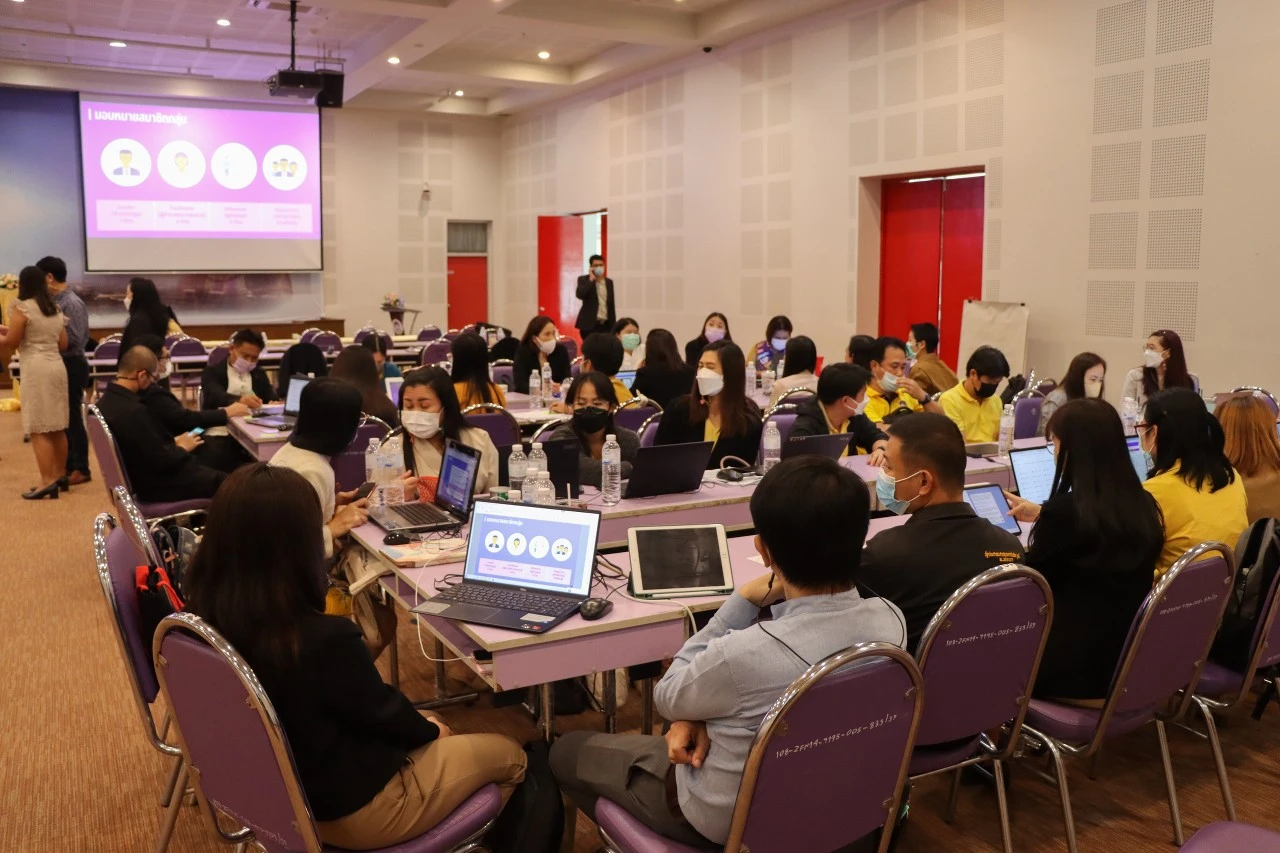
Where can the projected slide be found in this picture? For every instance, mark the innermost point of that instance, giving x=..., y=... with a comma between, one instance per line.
x=189, y=185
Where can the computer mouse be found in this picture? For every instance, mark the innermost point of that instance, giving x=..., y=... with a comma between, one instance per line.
x=733, y=475
x=396, y=539
x=593, y=608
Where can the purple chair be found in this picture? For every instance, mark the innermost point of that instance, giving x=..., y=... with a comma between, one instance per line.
x=501, y=425
x=114, y=473
x=429, y=333
x=1262, y=393
x=348, y=466
x=1231, y=837
x=648, y=431
x=570, y=346
x=308, y=334
x=1221, y=689
x=784, y=415
x=1163, y=656
x=855, y=709
x=635, y=413
x=437, y=352
x=452, y=335
x=797, y=396
x=329, y=343
x=238, y=760
x=107, y=350
x=219, y=354
x=1026, y=414
x=185, y=346
x=979, y=657
x=118, y=554
x=575, y=367
x=503, y=373
x=365, y=332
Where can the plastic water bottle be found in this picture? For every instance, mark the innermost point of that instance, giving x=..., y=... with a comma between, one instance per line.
x=564, y=390
x=766, y=381
x=1006, y=430
x=751, y=376
x=782, y=365
x=373, y=470
x=517, y=467
x=1129, y=414
x=392, y=454
x=546, y=494
x=547, y=386
x=529, y=489
x=535, y=391
x=537, y=459
x=611, y=470
x=772, y=447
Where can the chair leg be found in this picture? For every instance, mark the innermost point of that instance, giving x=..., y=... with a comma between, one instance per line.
x=1002, y=801
x=1218, y=760
x=1060, y=770
x=1093, y=764
x=173, y=809
x=952, y=796
x=172, y=787
x=1174, y=815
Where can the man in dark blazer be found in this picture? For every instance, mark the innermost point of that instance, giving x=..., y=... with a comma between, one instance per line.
x=159, y=468
x=239, y=379
x=599, y=311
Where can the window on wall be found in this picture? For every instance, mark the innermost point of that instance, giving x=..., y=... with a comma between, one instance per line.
x=468, y=238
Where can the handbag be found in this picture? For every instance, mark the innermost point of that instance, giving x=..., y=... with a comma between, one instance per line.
x=156, y=597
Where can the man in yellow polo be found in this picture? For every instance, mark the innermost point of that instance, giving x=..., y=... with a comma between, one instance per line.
x=973, y=405
x=891, y=392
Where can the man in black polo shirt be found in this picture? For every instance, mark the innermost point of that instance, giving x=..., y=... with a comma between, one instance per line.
x=837, y=408
x=944, y=544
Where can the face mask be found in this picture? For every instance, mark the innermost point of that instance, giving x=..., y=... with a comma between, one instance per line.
x=166, y=368
x=128, y=300
x=889, y=382
x=860, y=408
x=547, y=347
x=1092, y=389
x=885, y=488
x=590, y=419
x=987, y=389
x=241, y=365
x=1147, y=458
x=1152, y=358
x=422, y=425
x=597, y=271
x=710, y=383
x=778, y=344
x=630, y=342
x=911, y=350
x=713, y=333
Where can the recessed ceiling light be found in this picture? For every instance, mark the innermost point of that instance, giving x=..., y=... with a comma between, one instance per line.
x=223, y=22
x=118, y=44
x=17, y=1
x=394, y=60
x=542, y=54
x=459, y=93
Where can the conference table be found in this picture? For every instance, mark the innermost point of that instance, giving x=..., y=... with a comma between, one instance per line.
x=261, y=442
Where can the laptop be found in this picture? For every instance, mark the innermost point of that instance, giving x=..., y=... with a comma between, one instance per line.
x=458, y=471
x=528, y=567
x=562, y=465
x=1033, y=472
x=292, y=403
x=668, y=469
x=816, y=445
x=393, y=385
x=1136, y=457
x=988, y=501
x=627, y=378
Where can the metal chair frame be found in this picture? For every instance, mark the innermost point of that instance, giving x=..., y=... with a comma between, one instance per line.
x=1258, y=392
x=639, y=402
x=549, y=426
x=494, y=409
x=778, y=409
x=796, y=392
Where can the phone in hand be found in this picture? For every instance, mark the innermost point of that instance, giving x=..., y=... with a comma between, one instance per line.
x=364, y=490
x=197, y=432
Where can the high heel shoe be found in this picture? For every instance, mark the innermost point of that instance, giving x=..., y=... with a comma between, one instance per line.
x=49, y=491
x=64, y=484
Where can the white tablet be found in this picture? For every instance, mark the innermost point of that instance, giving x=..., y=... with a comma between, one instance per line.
x=679, y=561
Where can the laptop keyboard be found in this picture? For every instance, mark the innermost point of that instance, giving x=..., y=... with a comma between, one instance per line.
x=417, y=514
x=509, y=599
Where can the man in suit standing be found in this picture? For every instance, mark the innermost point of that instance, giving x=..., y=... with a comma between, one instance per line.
x=598, y=311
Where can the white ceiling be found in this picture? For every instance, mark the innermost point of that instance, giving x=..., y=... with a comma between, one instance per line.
x=487, y=48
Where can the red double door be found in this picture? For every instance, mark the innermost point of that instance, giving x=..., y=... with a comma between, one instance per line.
x=930, y=256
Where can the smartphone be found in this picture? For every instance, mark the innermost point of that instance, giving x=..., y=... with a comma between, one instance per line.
x=195, y=433
x=364, y=490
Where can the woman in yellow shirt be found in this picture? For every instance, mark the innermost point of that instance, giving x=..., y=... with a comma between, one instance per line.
x=471, y=372
x=1200, y=494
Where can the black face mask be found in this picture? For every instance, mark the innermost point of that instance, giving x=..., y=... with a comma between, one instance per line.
x=590, y=420
x=987, y=389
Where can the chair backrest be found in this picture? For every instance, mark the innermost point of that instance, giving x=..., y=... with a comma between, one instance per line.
x=1169, y=639
x=229, y=732
x=219, y=354
x=118, y=556
x=858, y=708
x=436, y=352
x=108, y=349
x=633, y=417
x=366, y=331
x=186, y=345
x=796, y=395
x=571, y=346
x=429, y=333
x=348, y=466
x=575, y=367
x=549, y=426
x=308, y=334
x=114, y=336
x=1026, y=416
x=1264, y=651
x=504, y=374
x=980, y=654
x=1263, y=393
x=452, y=335
x=329, y=342
x=108, y=453
x=649, y=430
x=501, y=425
x=784, y=415
x=1046, y=386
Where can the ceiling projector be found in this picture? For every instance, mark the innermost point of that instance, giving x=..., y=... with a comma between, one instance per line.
x=291, y=83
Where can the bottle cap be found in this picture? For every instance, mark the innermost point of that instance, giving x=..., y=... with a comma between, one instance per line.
x=610, y=438
x=537, y=445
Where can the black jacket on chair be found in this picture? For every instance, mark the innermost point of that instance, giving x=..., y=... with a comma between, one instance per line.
x=591, y=305
x=214, y=382
x=158, y=469
x=301, y=359
x=526, y=361
x=674, y=428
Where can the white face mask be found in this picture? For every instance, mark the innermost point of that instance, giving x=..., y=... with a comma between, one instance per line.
x=166, y=368
x=861, y=407
x=710, y=383
x=547, y=347
x=1093, y=388
x=128, y=300
x=597, y=271
x=422, y=425
x=1152, y=358
x=889, y=382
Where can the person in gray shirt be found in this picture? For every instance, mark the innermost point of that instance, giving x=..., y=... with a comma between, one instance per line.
x=77, y=364
x=811, y=517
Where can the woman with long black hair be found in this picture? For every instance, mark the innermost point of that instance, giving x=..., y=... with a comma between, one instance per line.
x=717, y=409
x=1164, y=366
x=430, y=413
x=147, y=314
x=594, y=401
x=471, y=372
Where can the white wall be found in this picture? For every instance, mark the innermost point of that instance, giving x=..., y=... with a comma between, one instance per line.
x=732, y=180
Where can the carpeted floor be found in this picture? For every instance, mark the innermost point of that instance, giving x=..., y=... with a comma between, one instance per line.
x=76, y=774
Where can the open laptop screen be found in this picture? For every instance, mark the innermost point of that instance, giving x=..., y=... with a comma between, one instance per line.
x=533, y=547
x=458, y=471
x=627, y=378
x=293, y=399
x=1136, y=457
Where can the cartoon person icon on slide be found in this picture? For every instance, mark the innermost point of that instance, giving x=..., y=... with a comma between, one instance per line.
x=493, y=542
x=125, y=162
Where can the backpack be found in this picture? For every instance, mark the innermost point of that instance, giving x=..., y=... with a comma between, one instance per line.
x=176, y=545
x=533, y=819
x=156, y=598
x=1257, y=561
